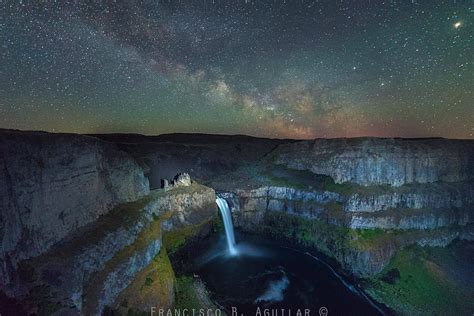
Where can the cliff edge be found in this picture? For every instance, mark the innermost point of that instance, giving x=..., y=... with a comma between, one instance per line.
x=53, y=184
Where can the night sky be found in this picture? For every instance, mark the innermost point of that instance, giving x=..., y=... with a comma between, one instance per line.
x=288, y=69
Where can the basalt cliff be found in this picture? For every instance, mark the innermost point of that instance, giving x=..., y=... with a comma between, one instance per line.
x=80, y=226
x=85, y=222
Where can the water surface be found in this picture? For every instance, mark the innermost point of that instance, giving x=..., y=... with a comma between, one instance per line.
x=267, y=275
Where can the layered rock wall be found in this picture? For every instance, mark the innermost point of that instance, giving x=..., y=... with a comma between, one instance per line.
x=53, y=184
x=372, y=161
x=326, y=220
x=419, y=209
x=86, y=273
x=434, y=196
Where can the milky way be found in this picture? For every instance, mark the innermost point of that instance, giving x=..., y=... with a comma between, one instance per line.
x=298, y=69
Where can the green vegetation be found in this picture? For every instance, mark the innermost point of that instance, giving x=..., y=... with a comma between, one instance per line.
x=313, y=233
x=366, y=239
x=142, y=241
x=369, y=234
x=148, y=281
x=176, y=238
x=280, y=175
x=419, y=286
x=186, y=296
x=280, y=181
x=334, y=240
x=341, y=188
x=172, y=240
x=153, y=286
x=123, y=215
x=328, y=238
x=412, y=283
x=217, y=224
x=162, y=272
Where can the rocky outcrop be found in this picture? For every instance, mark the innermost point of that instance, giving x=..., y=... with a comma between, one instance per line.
x=411, y=219
x=87, y=272
x=373, y=161
x=53, y=184
x=363, y=253
x=151, y=287
x=180, y=180
x=375, y=211
x=327, y=220
x=433, y=196
x=369, y=260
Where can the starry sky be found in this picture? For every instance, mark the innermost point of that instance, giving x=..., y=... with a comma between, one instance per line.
x=271, y=68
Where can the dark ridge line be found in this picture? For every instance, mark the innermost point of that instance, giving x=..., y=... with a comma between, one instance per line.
x=164, y=136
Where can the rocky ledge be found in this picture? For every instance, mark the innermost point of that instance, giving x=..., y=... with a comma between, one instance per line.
x=362, y=239
x=53, y=184
x=373, y=161
x=87, y=272
x=391, y=208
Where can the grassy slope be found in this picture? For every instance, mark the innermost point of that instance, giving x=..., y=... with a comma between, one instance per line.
x=186, y=294
x=321, y=234
x=266, y=174
x=422, y=287
x=190, y=293
x=155, y=283
x=153, y=286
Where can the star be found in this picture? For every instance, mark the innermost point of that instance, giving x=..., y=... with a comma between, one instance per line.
x=268, y=68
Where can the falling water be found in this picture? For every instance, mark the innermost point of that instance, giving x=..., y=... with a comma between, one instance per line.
x=229, y=228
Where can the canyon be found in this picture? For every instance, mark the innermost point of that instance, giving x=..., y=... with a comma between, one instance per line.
x=85, y=222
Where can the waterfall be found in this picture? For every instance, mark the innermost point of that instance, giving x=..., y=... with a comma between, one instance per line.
x=229, y=228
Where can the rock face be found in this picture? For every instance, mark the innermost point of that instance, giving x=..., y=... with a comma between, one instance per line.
x=202, y=156
x=433, y=196
x=175, y=209
x=372, y=161
x=422, y=189
x=53, y=184
x=424, y=209
x=329, y=220
x=180, y=180
x=88, y=271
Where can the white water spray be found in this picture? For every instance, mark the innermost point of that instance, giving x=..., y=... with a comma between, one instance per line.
x=229, y=228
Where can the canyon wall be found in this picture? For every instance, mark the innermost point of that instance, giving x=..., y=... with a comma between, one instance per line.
x=87, y=199
x=204, y=157
x=359, y=200
x=374, y=161
x=85, y=273
x=361, y=241
x=53, y=184
x=335, y=208
x=78, y=222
